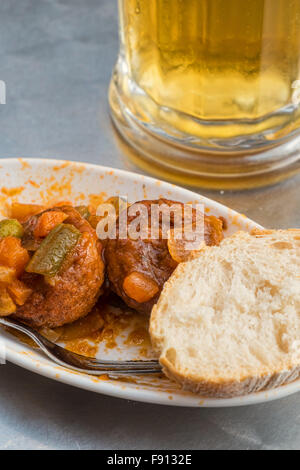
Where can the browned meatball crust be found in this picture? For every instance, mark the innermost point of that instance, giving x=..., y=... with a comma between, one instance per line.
x=150, y=258
x=73, y=292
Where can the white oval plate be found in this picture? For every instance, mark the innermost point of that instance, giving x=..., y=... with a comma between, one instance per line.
x=36, y=180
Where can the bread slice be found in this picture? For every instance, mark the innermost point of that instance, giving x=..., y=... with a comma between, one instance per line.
x=228, y=322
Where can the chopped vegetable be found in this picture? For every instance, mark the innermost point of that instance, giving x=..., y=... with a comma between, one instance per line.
x=140, y=287
x=7, y=275
x=22, y=211
x=183, y=249
x=7, y=306
x=49, y=257
x=11, y=228
x=13, y=255
x=75, y=219
x=47, y=222
x=19, y=292
x=83, y=211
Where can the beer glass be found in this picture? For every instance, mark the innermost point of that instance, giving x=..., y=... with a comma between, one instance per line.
x=208, y=91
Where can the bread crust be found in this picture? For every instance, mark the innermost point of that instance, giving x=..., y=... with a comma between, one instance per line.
x=221, y=388
x=229, y=389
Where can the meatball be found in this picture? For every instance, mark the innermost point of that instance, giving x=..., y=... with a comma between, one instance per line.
x=137, y=269
x=73, y=292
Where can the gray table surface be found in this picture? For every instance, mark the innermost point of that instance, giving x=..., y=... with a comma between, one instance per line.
x=56, y=57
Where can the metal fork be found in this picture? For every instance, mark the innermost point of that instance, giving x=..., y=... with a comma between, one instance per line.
x=79, y=363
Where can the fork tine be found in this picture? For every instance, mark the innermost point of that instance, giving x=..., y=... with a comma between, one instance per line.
x=93, y=364
x=80, y=363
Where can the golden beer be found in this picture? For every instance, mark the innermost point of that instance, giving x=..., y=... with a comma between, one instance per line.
x=211, y=75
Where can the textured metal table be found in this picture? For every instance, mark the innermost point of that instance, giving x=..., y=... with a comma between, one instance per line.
x=56, y=57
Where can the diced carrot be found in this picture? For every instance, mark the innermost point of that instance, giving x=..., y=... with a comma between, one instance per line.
x=140, y=287
x=7, y=275
x=23, y=211
x=13, y=255
x=47, y=222
x=19, y=292
x=7, y=306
